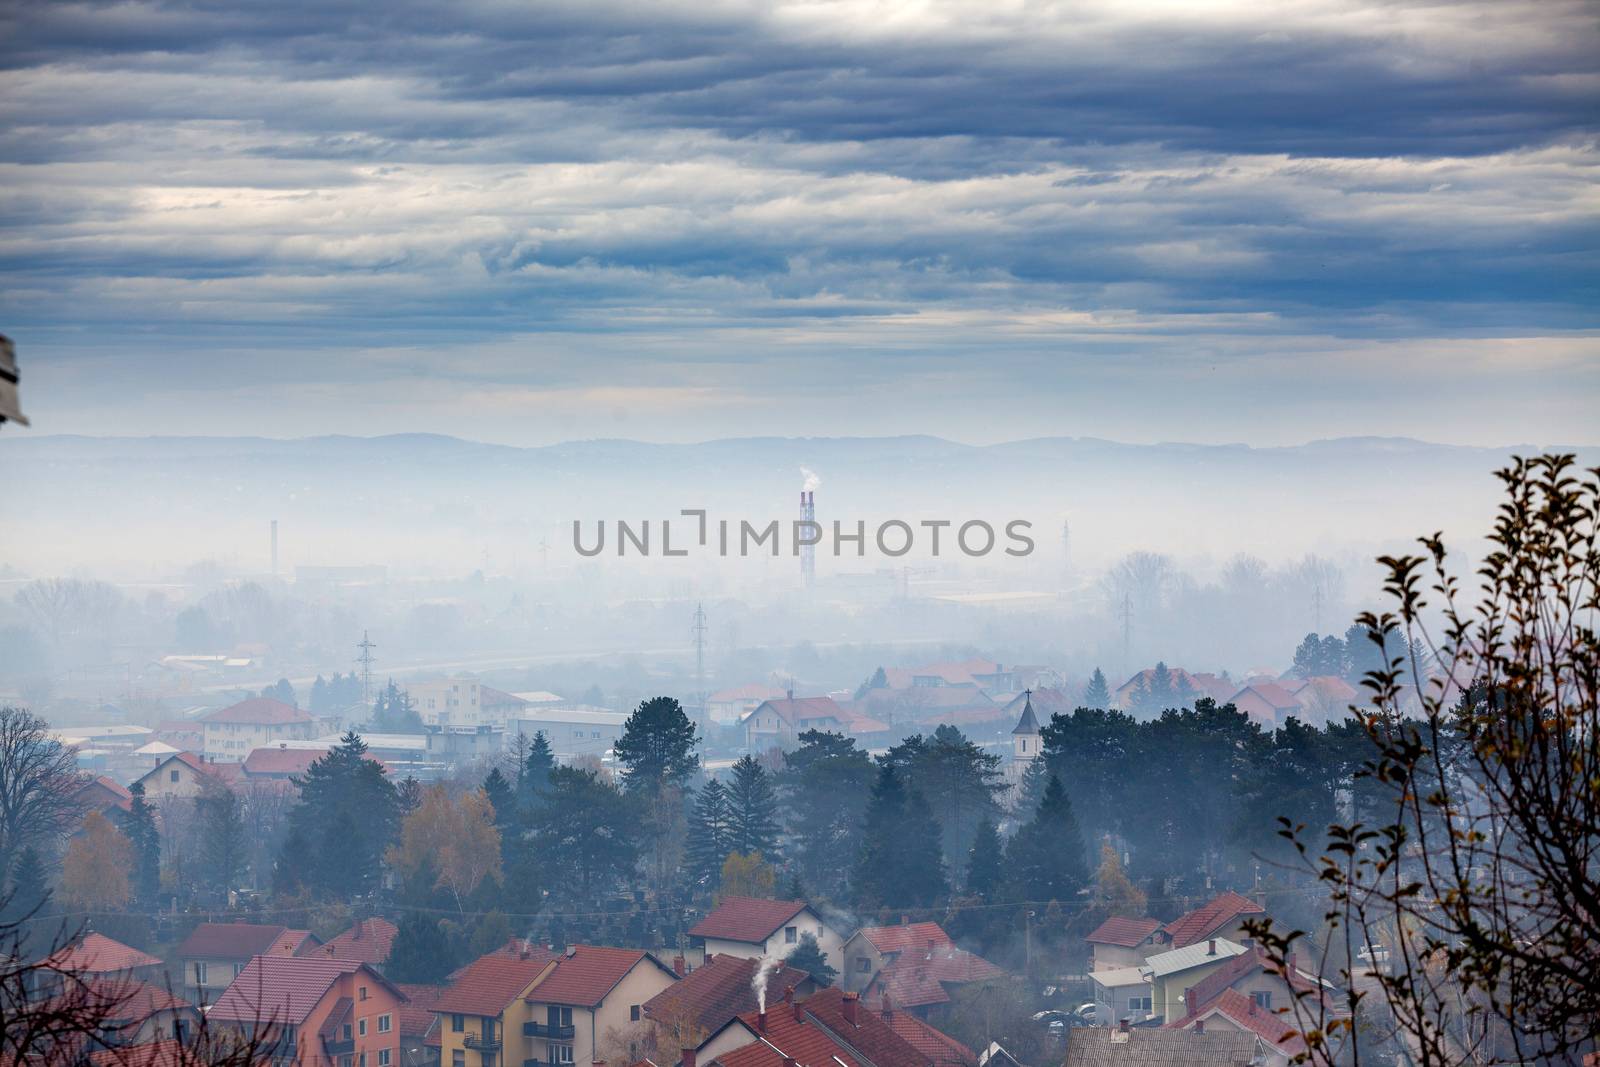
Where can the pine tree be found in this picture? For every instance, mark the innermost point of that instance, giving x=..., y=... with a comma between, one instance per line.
x=753, y=809
x=28, y=893
x=809, y=957
x=1097, y=694
x=1030, y=790
x=534, y=779
x=710, y=832
x=592, y=827
x=657, y=746
x=222, y=844
x=140, y=827
x=501, y=798
x=901, y=863
x=347, y=815
x=986, y=862
x=421, y=951
x=826, y=784
x=1045, y=860
x=407, y=795
x=394, y=712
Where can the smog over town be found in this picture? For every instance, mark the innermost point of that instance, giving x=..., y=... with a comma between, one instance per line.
x=777, y=534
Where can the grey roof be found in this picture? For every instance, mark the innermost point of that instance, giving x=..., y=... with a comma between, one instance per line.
x=1144, y=1047
x=1181, y=959
x=1028, y=724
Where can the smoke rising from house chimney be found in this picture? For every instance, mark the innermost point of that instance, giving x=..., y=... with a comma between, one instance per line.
x=758, y=981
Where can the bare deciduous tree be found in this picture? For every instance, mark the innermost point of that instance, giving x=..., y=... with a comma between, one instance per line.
x=38, y=780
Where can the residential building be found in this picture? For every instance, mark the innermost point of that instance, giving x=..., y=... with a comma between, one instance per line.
x=870, y=948
x=137, y=1012
x=1233, y=1012
x=1173, y=973
x=322, y=1012
x=1121, y=993
x=103, y=795
x=832, y=1028
x=454, y=701
x=281, y=761
x=1139, y=1047
x=1267, y=703
x=729, y=706
x=779, y=723
x=230, y=733
x=921, y=980
x=706, y=998
x=1222, y=916
x=96, y=956
x=369, y=940
x=571, y=731
x=1324, y=699
x=1247, y=993
x=184, y=775
x=168, y=1053
x=450, y=745
x=215, y=953
x=541, y=1009
x=1119, y=943
x=751, y=927
x=419, y=1026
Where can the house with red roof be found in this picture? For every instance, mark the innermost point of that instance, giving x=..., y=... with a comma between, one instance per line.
x=182, y=775
x=1222, y=916
x=103, y=795
x=135, y=1012
x=1248, y=994
x=1324, y=698
x=1267, y=703
x=871, y=947
x=1123, y=942
x=706, y=998
x=779, y=723
x=322, y=1012
x=752, y=927
x=96, y=956
x=281, y=762
x=732, y=705
x=419, y=1025
x=215, y=953
x=555, y=1008
x=168, y=1053
x=229, y=734
x=832, y=1028
x=369, y=941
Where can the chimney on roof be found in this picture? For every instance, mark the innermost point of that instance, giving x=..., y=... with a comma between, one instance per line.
x=790, y=691
x=678, y=966
x=1199, y=1026
x=572, y=950
x=686, y=1056
x=788, y=1061
x=761, y=1021
x=1211, y=947
x=788, y=996
x=1123, y=1026
x=887, y=1008
x=930, y=948
x=848, y=1005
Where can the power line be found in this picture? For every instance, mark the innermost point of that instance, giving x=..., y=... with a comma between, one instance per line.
x=365, y=659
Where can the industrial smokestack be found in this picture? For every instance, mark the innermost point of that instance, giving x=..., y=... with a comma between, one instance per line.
x=808, y=522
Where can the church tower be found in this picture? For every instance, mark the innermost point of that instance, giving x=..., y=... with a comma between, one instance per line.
x=1025, y=738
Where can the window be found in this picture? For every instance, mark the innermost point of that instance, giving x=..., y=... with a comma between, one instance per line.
x=863, y=965
x=346, y=1061
x=199, y=973
x=237, y=967
x=383, y=1057
x=361, y=1027
x=458, y=1058
x=361, y=993
x=384, y=1022
x=633, y=1014
x=1263, y=999
x=173, y=776
x=362, y=1059
x=791, y=934
x=347, y=1031
x=595, y=735
x=457, y=1023
x=563, y=1053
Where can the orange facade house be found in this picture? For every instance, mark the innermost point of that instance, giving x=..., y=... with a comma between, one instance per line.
x=321, y=1012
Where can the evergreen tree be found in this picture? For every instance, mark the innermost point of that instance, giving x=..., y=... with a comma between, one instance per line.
x=592, y=827
x=140, y=827
x=986, y=862
x=394, y=712
x=28, y=893
x=879, y=680
x=1045, y=860
x=407, y=795
x=900, y=862
x=809, y=957
x=534, y=777
x=825, y=784
x=501, y=798
x=657, y=746
x=421, y=952
x=1097, y=694
x=222, y=842
x=319, y=695
x=282, y=690
x=710, y=832
x=962, y=782
x=1030, y=790
x=753, y=809
x=347, y=815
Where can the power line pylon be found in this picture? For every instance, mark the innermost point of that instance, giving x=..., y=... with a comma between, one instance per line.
x=365, y=660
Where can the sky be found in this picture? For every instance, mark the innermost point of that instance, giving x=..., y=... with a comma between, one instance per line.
x=534, y=222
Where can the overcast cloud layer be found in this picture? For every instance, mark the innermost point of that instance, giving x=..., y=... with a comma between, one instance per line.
x=528, y=222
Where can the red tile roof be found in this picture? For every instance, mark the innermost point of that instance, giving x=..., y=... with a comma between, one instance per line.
x=99, y=954
x=799, y=711
x=748, y=919
x=259, y=711
x=1199, y=924
x=229, y=941
x=128, y=1002
x=1128, y=933
x=941, y=1048
x=167, y=1053
x=293, y=943
x=585, y=974
x=284, y=989
x=281, y=761
x=102, y=792
x=369, y=941
x=416, y=1014
x=815, y=1033
x=711, y=994
x=916, y=979
x=1271, y=1027
x=489, y=983
x=906, y=935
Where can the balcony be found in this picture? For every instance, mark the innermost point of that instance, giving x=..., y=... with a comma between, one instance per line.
x=481, y=1043
x=343, y=1046
x=548, y=1031
x=537, y=1062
